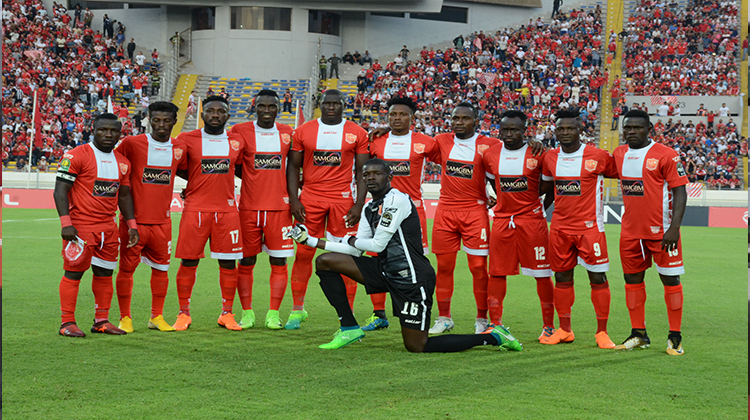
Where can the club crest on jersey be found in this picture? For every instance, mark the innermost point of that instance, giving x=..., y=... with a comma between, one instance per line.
x=64, y=164
x=589, y=224
x=418, y=148
x=286, y=138
x=177, y=153
x=531, y=163
x=652, y=164
x=350, y=138
x=655, y=229
x=235, y=145
x=123, y=168
x=590, y=165
x=481, y=148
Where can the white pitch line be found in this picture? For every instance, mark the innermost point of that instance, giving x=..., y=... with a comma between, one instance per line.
x=31, y=220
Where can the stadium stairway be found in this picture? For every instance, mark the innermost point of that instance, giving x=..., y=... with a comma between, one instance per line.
x=241, y=93
x=185, y=85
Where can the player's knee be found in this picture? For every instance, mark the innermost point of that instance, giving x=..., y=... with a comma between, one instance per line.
x=597, y=278
x=74, y=275
x=564, y=276
x=323, y=262
x=414, y=347
x=101, y=271
x=249, y=260
x=227, y=264
x=190, y=263
x=277, y=261
x=670, y=280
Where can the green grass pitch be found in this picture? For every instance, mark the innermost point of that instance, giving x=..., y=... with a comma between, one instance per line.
x=211, y=373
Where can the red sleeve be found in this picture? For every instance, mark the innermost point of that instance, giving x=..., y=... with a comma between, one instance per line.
x=363, y=143
x=297, y=144
x=76, y=162
x=672, y=170
x=546, y=165
x=489, y=158
x=124, y=163
x=183, y=165
x=432, y=151
x=609, y=167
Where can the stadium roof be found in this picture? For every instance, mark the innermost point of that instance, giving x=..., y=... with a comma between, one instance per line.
x=519, y=3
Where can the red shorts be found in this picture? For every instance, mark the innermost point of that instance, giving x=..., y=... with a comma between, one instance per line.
x=153, y=249
x=99, y=249
x=519, y=240
x=318, y=212
x=264, y=231
x=636, y=254
x=451, y=226
x=567, y=250
x=222, y=228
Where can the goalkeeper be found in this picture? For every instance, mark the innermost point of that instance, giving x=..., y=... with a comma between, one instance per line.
x=390, y=227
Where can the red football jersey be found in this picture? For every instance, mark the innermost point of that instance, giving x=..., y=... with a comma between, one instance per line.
x=579, y=187
x=328, y=166
x=264, y=166
x=152, y=175
x=463, y=179
x=647, y=177
x=406, y=156
x=210, y=164
x=517, y=175
x=96, y=177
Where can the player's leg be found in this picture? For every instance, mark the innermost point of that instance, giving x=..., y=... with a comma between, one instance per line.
x=446, y=241
x=278, y=247
x=336, y=229
x=195, y=228
x=157, y=255
x=635, y=259
x=103, y=263
x=330, y=267
x=129, y=259
x=76, y=260
x=474, y=227
x=533, y=245
x=315, y=216
x=563, y=259
x=592, y=254
x=226, y=247
x=503, y=262
x=252, y=233
x=670, y=266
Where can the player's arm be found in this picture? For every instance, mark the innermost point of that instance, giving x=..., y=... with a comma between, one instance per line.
x=353, y=215
x=546, y=190
x=294, y=163
x=125, y=202
x=62, y=188
x=672, y=235
x=537, y=147
x=380, y=131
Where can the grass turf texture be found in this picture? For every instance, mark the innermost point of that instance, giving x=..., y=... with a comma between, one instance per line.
x=209, y=372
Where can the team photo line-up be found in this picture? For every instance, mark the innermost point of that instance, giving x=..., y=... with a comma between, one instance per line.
x=309, y=185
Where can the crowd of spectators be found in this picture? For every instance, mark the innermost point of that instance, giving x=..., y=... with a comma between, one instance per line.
x=691, y=50
x=74, y=70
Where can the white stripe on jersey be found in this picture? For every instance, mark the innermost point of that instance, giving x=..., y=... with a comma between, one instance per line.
x=214, y=145
x=267, y=140
x=106, y=164
x=397, y=147
x=570, y=164
x=633, y=161
x=666, y=212
x=406, y=253
x=599, y=203
x=464, y=150
x=511, y=161
x=330, y=136
x=159, y=154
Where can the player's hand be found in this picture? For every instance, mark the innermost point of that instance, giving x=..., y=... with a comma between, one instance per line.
x=299, y=234
x=491, y=202
x=669, y=242
x=380, y=131
x=352, y=217
x=69, y=233
x=133, y=237
x=298, y=211
x=537, y=148
x=182, y=194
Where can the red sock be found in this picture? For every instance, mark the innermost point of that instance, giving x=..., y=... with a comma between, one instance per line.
x=546, y=292
x=185, y=282
x=245, y=286
x=496, y=289
x=228, y=284
x=673, y=298
x=600, y=297
x=378, y=301
x=68, y=298
x=478, y=268
x=279, y=278
x=159, y=285
x=444, y=283
x=103, y=291
x=301, y=272
x=635, y=299
x=124, y=285
x=565, y=296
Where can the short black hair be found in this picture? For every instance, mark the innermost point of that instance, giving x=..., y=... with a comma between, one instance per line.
x=332, y=92
x=514, y=113
x=567, y=113
x=215, y=98
x=163, y=106
x=267, y=92
x=467, y=105
x=402, y=101
x=106, y=116
x=638, y=113
x=379, y=162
